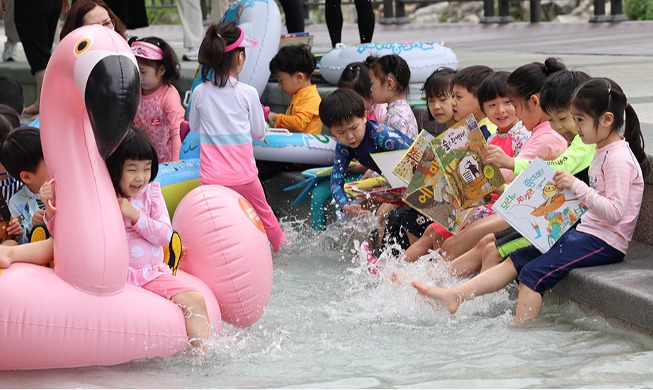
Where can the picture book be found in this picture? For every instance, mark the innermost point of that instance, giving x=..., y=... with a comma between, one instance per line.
x=412, y=156
x=376, y=189
x=536, y=208
x=459, y=152
x=386, y=162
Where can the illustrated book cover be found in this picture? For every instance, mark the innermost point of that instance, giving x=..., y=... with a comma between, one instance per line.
x=406, y=166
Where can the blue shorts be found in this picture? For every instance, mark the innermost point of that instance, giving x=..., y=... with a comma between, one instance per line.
x=540, y=272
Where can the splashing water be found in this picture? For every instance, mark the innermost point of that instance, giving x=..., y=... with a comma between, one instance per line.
x=330, y=323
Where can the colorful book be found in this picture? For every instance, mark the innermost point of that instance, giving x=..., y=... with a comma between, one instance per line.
x=459, y=152
x=411, y=158
x=536, y=208
x=376, y=189
x=386, y=161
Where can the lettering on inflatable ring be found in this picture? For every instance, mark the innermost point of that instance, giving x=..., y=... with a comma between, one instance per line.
x=251, y=213
x=322, y=138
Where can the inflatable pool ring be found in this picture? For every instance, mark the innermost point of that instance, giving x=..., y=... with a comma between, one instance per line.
x=225, y=236
x=282, y=145
x=177, y=179
x=422, y=57
x=82, y=312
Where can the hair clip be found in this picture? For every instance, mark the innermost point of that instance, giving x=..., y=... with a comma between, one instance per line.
x=609, y=89
x=626, y=106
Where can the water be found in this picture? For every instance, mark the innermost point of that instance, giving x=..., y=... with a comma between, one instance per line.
x=330, y=324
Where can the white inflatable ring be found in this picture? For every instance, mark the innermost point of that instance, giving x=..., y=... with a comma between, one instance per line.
x=422, y=57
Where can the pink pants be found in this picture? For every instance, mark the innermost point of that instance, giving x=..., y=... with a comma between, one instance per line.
x=254, y=194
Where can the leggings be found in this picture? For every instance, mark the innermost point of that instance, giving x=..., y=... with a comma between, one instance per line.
x=36, y=22
x=333, y=15
x=294, y=11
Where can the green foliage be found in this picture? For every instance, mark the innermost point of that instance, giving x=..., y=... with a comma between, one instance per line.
x=639, y=9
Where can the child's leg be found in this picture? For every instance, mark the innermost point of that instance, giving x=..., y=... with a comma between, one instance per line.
x=430, y=240
x=529, y=304
x=198, y=327
x=320, y=196
x=381, y=213
x=470, y=261
x=487, y=282
x=465, y=240
x=254, y=194
x=39, y=253
x=491, y=257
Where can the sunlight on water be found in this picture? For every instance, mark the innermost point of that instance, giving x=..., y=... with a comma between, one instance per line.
x=331, y=324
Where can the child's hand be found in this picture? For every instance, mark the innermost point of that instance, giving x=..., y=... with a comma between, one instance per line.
x=14, y=229
x=354, y=210
x=48, y=196
x=127, y=210
x=38, y=217
x=564, y=180
x=369, y=173
x=272, y=118
x=495, y=155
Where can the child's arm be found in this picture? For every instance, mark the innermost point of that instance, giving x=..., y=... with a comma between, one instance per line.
x=20, y=217
x=175, y=115
x=304, y=110
x=154, y=224
x=340, y=164
x=574, y=159
x=256, y=117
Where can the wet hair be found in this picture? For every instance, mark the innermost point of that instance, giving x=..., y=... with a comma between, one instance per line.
x=600, y=95
x=9, y=120
x=216, y=64
x=439, y=83
x=527, y=80
x=558, y=89
x=340, y=106
x=22, y=151
x=356, y=76
x=136, y=146
x=494, y=86
x=391, y=64
x=11, y=93
x=80, y=8
x=292, y=59
x=471, y=77
x=170, y=63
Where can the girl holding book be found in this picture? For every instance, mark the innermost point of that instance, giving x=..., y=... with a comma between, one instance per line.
x=614, y=198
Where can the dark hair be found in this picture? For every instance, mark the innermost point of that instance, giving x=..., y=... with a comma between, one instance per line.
x=340, y=106
x=80, y=8
x=216, y=64
x=9, y=120
x=391, y=64
x=493, y=86
x=22, y=151
x=169, y=62
x=471, y=77
x=600, y=95
x=356, y=76
x=136, y=146
x=292, y=59
x=559, y=87
x=439, y=83
x=11, y=93
x=527, y=80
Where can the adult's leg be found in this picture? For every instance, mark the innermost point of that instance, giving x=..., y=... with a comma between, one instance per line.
x=455, y=246
x=365, y=13
x=333, y=17
x=218, y=9
x=190, y=14
x=294, y=15
x=10, y=24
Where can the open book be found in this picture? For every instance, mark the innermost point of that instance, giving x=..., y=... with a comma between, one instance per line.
x=536, y=208
x=405, y=168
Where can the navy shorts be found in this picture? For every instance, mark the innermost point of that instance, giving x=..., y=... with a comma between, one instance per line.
x=540, y=272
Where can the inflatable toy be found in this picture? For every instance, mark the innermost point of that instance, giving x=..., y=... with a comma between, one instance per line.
x=83, y=313
x=422, y=57
x=224, y=237
x=282, y=145
x=178, y=178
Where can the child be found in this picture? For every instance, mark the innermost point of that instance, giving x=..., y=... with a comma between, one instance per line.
x=389, y=79
x=11, y=93
x=9, y=120
x=226, y=115
x=159, y=112
x=22, y=156
x=344, y=113
x=613, y=200
x=356, y=76
x=465, y=101
x=293, y=66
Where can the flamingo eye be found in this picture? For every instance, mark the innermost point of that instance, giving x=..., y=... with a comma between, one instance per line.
x=83, y=45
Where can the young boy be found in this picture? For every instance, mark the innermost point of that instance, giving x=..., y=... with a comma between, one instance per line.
x=293, y=66
x=21, y=154
x=465, y=101
x=11, y=94
x=344, y=113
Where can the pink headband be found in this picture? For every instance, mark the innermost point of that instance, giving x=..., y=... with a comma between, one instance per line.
x=243, y=40
x=147, y=50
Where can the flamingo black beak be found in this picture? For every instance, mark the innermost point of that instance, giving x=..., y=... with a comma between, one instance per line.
x=111, y=102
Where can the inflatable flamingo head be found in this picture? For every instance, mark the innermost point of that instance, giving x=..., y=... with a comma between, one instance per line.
x=105, y=73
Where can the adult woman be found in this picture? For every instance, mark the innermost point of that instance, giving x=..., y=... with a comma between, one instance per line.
x=86, y=12
x=333, y=15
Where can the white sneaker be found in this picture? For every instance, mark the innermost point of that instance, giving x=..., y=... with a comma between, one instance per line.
x=191, y=54
x=9, y=53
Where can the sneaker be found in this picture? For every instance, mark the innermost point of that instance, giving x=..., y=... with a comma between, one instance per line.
x=9, y=52
x=191, y=54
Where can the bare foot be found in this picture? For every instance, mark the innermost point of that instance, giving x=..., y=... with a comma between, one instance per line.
x=32, y=109
x=443, y=296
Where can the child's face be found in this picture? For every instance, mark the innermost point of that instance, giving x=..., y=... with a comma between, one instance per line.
x=594, y=132
x=151, y=77
x=351, y=132
x=381, y=91
x=34, y=180
x=441, y=107
x=500, y=112
x=526, y=111
x=563, y=122
x=135, y=175
x=289, y=83
x=464, y=103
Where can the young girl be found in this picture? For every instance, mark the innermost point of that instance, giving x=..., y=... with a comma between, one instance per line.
x=227, y=114
x=356, y=76
x=160, y=112
x=613, y=200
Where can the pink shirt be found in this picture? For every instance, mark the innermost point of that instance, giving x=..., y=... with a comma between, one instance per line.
x=615, y=196
x=511, y=142
x=159, y=116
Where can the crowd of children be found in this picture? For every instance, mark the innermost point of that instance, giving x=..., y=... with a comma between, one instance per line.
x=572, y=121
